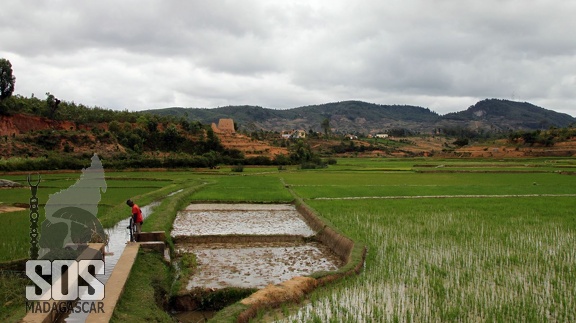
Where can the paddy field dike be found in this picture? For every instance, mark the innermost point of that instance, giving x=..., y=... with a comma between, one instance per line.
x=446, y=239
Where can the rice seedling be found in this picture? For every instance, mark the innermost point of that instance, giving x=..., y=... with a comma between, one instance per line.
x=453, y=261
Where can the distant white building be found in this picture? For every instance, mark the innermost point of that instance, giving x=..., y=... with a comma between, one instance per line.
x=294, y=134
x=381, y=135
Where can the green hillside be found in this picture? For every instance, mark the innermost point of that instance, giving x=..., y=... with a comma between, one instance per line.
x=362, y=117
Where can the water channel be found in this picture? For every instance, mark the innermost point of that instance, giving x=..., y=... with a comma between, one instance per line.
x=231, y=263
x=118, y=237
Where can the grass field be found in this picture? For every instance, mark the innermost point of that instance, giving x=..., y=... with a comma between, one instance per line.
x=14, y=226
x=460, y=260
x=449, y=240
x=143, y=187
x=486, y=257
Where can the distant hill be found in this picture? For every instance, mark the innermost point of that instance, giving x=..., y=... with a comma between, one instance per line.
x=505, y=115
x=362, y=117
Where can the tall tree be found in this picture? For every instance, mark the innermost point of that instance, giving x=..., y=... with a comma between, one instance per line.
x=326, y=126
x=7, y=80
x=52, y=104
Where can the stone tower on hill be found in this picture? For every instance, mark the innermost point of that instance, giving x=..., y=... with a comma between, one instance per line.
x=224, y=126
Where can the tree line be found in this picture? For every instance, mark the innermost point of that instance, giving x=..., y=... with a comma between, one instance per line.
x=132, y=139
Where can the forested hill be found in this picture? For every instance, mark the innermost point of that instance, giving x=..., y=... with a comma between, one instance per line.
x=505, y=114
x=363, y=117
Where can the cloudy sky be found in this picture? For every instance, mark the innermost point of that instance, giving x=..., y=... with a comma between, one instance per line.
x=146, y=54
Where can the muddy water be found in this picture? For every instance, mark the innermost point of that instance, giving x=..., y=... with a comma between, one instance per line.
x=118, y=237
x=256, y=265
x=249, y=265
x=240, y=219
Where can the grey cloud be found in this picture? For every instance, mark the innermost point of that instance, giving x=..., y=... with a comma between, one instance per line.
x=152, y=54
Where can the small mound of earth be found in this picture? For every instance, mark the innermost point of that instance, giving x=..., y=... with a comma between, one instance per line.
x=8, y=183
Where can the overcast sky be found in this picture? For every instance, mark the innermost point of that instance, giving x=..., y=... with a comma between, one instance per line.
x=147, y=54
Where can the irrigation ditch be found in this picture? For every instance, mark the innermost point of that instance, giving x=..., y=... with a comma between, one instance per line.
x=249, y=257
x=240, y=259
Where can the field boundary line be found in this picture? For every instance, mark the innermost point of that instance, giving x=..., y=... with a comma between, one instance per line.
x=438, y=196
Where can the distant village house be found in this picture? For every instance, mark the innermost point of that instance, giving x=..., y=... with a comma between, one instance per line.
x=293, y=134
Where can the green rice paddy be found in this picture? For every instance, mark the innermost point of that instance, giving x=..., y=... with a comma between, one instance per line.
x=448, y=240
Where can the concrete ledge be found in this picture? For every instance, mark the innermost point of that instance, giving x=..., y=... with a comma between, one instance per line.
x=154, y=245
x=116, y=283
x=151, y=236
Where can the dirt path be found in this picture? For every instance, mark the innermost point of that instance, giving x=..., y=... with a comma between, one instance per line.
x=9, y=208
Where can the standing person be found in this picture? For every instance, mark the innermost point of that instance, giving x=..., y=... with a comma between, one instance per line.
x=136, y=215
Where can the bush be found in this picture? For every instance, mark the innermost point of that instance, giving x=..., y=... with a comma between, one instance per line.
x=460, y=142
x=258, y=160
x=238, y=168
x=310, y=165
x=282, y=160
x=331, y=161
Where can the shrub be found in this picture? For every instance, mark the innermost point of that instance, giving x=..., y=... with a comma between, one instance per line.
x=310, y=165
x=331, y=161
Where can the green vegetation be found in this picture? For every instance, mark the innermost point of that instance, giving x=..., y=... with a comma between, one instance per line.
x=163, y=215
x=496, y=117
x=448, y=259
x=122, y=139
x=456, y=260
x=147, y=293
x=255, y=189
x=448, y=240
x=12, y=296
x=143, y=187
x=188, y=264
x=14, y=226
x=7, y=80
x=525, y=114
x=544, y=138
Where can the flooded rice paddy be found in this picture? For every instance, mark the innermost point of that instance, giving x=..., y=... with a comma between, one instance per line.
x=240, y=219
x=255, y=264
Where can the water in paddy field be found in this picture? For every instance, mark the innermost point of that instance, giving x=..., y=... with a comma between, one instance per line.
x=256, y=265
x=240, y=219
x=118, y=237
x=249, y=265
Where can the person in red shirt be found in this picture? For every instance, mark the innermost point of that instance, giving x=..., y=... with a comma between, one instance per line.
x=136, y=215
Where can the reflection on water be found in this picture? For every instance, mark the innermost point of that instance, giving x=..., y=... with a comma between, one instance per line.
x=118, y=236
x=240, y=219
x=256, y=265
